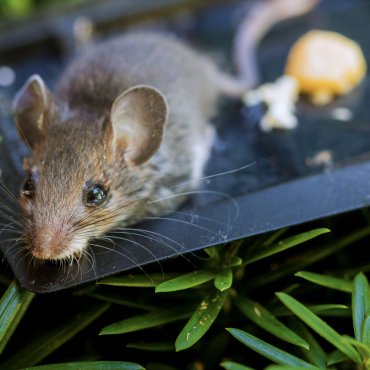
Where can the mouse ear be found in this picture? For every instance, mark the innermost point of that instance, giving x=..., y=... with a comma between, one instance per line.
x=138, y=118
x=30, y=104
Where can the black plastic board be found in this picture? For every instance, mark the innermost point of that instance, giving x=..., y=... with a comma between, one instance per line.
x=283, y=188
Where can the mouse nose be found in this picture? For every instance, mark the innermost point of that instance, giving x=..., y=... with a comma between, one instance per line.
x=49, y=241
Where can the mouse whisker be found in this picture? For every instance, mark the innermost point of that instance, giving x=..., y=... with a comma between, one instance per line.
x=10, y=223
x=140, y=245
x=10, y=240
x=87, y=254
x=9, y=249
x=137, y=265
x=200, y=217
x=232, y=199
x=181, y=221
x=11, y=229
x=218, y=174
x=7, y=217
x=115, y=244
x=79, y=268
x=30, y=260
x=151, y=237
x=8, y=227
x=11, y=201
x=7, y=207
x=98, y=210
x=18, y=241
x=21, y=249
x=8, y=192
x=69, y=270
x=67, y=263
x=93, y=254
x=100, y=217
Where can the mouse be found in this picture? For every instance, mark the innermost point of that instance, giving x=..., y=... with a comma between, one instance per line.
x=129, y=119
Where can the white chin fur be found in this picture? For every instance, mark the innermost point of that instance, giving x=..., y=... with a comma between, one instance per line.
x=76, y=246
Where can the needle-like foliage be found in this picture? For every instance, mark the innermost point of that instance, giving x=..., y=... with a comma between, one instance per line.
x=223, y=313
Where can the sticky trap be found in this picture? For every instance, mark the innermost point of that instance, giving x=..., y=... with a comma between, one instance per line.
x=319, y=169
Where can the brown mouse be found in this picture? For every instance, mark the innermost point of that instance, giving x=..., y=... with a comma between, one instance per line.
x=130, y=119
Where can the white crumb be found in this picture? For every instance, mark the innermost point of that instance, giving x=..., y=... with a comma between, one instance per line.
x=342, y=114
x=280, y=98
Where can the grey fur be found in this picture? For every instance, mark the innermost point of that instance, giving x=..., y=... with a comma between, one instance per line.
x=76, y=150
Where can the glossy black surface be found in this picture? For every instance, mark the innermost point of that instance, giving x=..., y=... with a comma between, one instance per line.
x=282, y=188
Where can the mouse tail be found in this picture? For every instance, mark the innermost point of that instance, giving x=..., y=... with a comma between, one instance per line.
x=260, y=19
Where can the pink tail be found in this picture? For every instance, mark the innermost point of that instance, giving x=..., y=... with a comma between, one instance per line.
x=261, y=18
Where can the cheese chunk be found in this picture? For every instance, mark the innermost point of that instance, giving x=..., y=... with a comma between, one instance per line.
x=326, y=64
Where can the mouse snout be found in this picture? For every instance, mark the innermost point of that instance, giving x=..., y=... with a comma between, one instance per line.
x=50, y=241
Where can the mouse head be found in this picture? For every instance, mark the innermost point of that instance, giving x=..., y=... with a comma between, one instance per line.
x=87, y=170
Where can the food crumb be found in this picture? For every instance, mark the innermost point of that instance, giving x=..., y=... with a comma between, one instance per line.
x=280, y=98
x=342, y=114
x=322, y=158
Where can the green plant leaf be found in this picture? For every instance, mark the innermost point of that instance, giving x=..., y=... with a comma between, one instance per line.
x=360, y=302
x=186, y=281
x=224, y=279
x=201, y=320
x=52, y=339
x=284, y=367
x=94, y=365
x=137, y=281
x=148, y=320
x=361, y=347
x=319, y=326
x=315, y=355
x=283, y=245
x=263, y=318
x=84, y=289
x=228, y=365
x=336, y=312
x=365, y=331
x=283, y=311
x=335, y=357
x=120, y=299
x=275, y=235
x=159, y=366
x=233, y=261
x=327, y=281
x=213, y=253
x=308, y=258
x=13, y=305
x=235, y=246
x=153, y=346
x=268, y=351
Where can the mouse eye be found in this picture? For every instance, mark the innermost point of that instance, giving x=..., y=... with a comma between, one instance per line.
x=96, y=195
x=29, y=187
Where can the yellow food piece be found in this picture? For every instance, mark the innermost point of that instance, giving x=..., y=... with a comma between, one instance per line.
x=326, y=64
